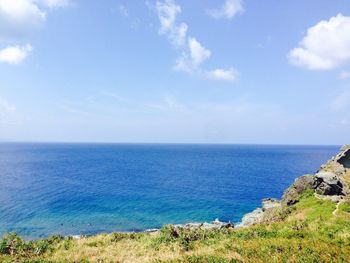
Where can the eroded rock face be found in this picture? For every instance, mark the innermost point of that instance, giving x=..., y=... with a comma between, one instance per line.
x=258, y=215
x=328, y=183
x=252, y=218
x=331, y=182
x=344, y=159
x=331, y=178
x=291, y=195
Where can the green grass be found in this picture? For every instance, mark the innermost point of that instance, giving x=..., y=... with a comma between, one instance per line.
x=345, y=207
x=315, y=208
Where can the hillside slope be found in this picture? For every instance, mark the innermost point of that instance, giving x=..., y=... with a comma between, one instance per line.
x=311, y=223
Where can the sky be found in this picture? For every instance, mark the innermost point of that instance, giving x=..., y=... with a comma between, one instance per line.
x=175, y=71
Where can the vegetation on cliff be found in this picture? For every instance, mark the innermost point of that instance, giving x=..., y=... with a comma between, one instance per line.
x=308, y=226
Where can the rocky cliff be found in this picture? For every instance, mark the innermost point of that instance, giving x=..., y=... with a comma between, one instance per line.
x=331, y=181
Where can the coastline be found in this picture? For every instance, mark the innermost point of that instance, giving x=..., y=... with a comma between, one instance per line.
x=270, y=205
x=310, y=223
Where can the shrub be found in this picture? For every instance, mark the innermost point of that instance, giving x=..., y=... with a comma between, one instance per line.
x=116, y=237
x=186, y=236
x=68, y=243
x=12, y=244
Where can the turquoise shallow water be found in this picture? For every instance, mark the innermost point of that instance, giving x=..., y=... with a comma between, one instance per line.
x=91, y=188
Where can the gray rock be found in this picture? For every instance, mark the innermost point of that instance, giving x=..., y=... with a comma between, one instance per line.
x=270, y=203
x=328, y=183
x=216, y=224
x=259, y=214
x=344, y=159
x=345, y=147
x=339, y=170
x=252, y=218
x=151, y=230
x=292, y=194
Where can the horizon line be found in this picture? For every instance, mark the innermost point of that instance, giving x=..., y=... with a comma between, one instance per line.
x=168, y=143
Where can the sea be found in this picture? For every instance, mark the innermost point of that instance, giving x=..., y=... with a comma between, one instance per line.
x=85, y=189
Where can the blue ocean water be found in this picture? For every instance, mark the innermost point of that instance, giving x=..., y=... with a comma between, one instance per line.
x=91, y=188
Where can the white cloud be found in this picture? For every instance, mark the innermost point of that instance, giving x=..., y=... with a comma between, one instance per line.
x=193, y=53
x=197, y=51
x=18, y=18
x=326, y=45
x=15, y=54
x=344, y=74
x=229, y=75
x=54, y=3
x=193, y=57
x=167, y=12
x=229, y=9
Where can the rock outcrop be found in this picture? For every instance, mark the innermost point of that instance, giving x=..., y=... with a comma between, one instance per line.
x=259, y=214
x=344, y=157
x=216, y=224
x=332, y=182
x=331, y=179
x=328, y=183
x=291, y=195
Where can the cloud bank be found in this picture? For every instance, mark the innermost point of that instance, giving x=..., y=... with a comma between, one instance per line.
x=18, y=19
x=326, y=45
x=193, y=52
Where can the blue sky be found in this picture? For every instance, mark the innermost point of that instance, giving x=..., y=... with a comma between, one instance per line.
x=225, y=71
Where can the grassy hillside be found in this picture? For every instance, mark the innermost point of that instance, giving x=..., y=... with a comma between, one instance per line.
x=313, y=230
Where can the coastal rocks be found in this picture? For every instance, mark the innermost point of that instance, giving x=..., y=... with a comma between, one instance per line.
x=252, y=218
x=344, y=158
x=340, y=163
x=331, y=182
x=152, y=230
x=269, y=203
x=216, y=224
x=291, y=195
x=333, y=177
x=328, y=183
x=259, y=214
x=345, y=147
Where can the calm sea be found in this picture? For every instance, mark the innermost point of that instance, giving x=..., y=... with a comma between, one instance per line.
x=91, y=188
